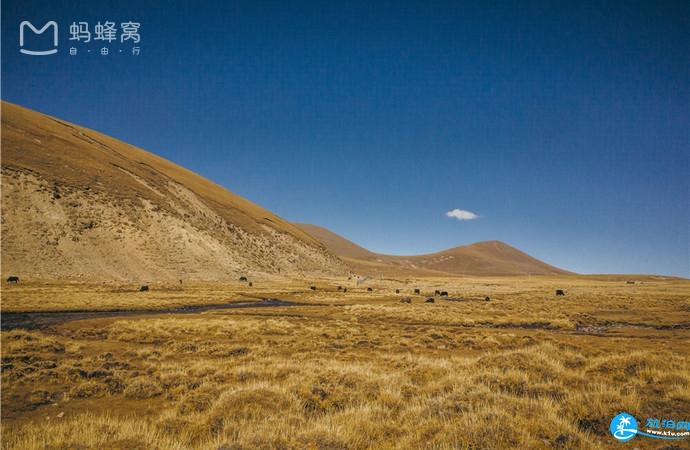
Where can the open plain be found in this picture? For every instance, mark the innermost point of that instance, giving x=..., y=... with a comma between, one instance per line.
x=333, y=369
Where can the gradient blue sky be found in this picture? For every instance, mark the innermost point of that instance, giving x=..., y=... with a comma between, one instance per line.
x=564, y=127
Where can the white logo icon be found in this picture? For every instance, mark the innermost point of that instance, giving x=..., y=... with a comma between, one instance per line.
x=25, y=24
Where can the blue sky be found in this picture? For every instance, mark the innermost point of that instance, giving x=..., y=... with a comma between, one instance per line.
x=563, y=127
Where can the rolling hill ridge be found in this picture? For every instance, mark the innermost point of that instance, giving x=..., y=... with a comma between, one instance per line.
x=77, y=204
x=482, y=258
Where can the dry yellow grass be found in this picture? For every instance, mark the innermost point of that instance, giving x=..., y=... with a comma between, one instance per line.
x=354, y=370
x=48, y=296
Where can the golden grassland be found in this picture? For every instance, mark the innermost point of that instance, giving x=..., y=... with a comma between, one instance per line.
x=109, y=296
x=349, y=370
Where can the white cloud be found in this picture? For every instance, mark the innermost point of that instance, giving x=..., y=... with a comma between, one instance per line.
x=461, y=214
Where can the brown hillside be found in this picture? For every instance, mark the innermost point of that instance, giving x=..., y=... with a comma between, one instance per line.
x=481, y=258
x=77, y=203
x=336, y=243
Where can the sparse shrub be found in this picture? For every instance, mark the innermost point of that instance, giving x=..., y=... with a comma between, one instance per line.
x=319, y=399
x=91, y=333
x=198, y=400
x=174, y=379
x=38, y=398
x=223, y=351
x=250, y=403
x=87, y=389
x=114, y=385
x=20, y=341
x=172, y=425
x=143, y=387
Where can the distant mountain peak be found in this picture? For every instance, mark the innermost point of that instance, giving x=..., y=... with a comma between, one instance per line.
x=480, y=258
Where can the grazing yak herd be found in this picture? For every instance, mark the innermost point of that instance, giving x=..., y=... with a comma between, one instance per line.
x=429, y=298
x=13, y=279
